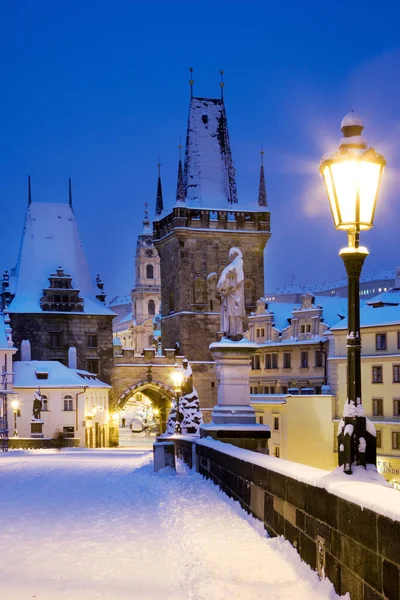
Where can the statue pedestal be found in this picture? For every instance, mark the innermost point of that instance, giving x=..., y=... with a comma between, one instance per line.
x=233, y=419
x=36, y=428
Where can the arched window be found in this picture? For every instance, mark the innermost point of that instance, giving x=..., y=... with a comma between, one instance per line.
x=151, y=308
x=45, y=405
x=68, y=405
x=150, y=272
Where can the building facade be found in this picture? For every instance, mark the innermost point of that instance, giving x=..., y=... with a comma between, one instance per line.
x=50, y=295
x=380, y=375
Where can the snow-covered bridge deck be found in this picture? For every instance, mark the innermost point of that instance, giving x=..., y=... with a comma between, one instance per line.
x=83, y=525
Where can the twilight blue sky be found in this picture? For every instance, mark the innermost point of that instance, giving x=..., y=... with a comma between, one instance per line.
x=96, y=90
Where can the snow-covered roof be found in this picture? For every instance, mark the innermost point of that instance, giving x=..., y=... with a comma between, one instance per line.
x=51, y=239
x=391, y=297
x=351, y=119
x=333, y=309
x=209, y=174
x=293, y=288
x=121, y=300
x=370, y=316
x=5, y=333
x=52, y=374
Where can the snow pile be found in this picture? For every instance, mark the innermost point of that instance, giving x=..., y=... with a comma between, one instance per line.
x=102, y=525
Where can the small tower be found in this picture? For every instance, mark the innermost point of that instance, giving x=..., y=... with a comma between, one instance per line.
x=180, y=187
x=262, y=191
x=146, y=294
x=159, y=200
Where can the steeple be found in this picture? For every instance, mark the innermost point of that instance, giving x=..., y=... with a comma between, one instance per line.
x=262, y=192
x=146, y=223
x=29, y=191
x=180, y=187
x=209, y=173
x=159, y=200
x=69, y=192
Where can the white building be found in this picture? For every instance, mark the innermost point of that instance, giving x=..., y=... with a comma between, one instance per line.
x=74, y=402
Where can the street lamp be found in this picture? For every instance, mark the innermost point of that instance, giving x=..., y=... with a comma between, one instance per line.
x=352, y=177
x=15, y=406
x=177, y=378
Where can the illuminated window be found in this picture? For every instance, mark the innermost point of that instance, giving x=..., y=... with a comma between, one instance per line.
x=277, y=452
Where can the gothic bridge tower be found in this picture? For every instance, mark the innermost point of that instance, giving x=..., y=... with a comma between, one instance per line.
x=193, y=238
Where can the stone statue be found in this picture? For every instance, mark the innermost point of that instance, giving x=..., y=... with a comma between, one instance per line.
x=230, y=288
x=37, y=404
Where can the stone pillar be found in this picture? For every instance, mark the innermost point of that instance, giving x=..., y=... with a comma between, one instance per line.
x=233, y=375
x=233, y=419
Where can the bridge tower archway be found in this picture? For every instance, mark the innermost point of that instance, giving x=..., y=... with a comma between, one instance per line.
x=144, y=408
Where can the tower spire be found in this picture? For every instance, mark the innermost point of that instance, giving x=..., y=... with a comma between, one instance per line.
x=29, y=191
x=159, y=200
x=180, y=187
x=69, y=192
x=191, y=81
x=262, y=191
x=221, y=85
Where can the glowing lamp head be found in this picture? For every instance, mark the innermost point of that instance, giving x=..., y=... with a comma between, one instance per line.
x=115, y=417
x=177, y=377
x=352, y=177
x=15, y=405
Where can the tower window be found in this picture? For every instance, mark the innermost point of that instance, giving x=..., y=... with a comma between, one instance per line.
x=151, y=308
x=55, y=339
x=204, y=118
x=150, y=272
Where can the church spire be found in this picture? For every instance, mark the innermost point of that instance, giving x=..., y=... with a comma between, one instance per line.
x=159, y=201
x=262, y=192
x=69, y=192
x=29, y=191
x=180, y=187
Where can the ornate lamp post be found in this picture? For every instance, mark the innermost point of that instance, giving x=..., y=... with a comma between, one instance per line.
x=352, y=177
x=177, y=378
x=15, y=406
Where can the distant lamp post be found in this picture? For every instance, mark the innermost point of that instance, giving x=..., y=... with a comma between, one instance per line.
x=15, y=407
x=352, y=177
x=177, y=378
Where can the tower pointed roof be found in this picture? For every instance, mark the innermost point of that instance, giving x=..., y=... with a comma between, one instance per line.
x=159, y=199
x=209, y=174
x=50, y=239
x=180, y=187
x=262, y=191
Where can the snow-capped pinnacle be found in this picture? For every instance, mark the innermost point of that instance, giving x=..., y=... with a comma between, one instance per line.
x=351, y=120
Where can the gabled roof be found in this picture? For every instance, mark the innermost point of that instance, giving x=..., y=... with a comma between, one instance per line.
x=209, y=174
x=58, y=376
x=389, y=298
x=333, y=309
x=51, y=239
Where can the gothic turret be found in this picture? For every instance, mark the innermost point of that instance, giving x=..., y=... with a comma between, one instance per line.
x=159, y=200
x=180, y=188
x=262, y=191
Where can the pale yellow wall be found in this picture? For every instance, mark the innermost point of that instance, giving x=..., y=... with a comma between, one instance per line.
x=305, y=432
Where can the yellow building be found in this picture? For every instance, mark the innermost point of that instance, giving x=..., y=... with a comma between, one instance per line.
x=288, y=381
x=380, y=375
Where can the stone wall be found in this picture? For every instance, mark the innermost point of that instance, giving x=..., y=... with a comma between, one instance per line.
x=193, y=247
x=74, y=329
x=357, y=549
